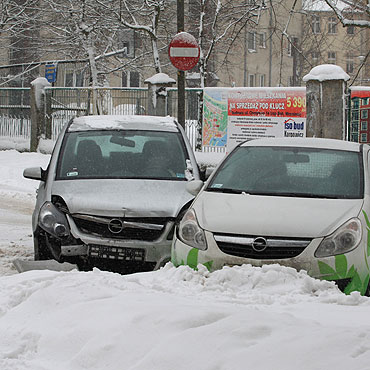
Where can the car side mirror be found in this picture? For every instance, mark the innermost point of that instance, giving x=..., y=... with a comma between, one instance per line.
x=34, y=173
x=193, y=187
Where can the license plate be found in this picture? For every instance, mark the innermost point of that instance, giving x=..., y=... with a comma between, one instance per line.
x=117, y=253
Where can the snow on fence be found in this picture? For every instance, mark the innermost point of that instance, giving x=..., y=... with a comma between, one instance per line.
x=20, y=127
x=16, y=127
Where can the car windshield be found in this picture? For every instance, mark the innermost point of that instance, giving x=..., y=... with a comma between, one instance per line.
x=122, y=154
x=291, y=171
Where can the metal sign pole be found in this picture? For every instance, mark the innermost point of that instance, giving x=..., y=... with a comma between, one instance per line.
x=180, y=74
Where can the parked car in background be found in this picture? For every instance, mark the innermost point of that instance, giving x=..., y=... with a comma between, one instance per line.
x=112, y=192
x=303, y=203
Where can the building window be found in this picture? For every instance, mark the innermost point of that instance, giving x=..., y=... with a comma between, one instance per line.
x=331, y=57
x=262, y=80
x=262, y=40
x=126, y=42
x=355, y=127
x=68, y=79
x=290, y=47
x=363, y=125
x=355, y=115
x=134, y=79
x=354, y=137
x=251, y=41
x=251, y=80
x=130, y=79
x=332, y=25
x=351, y=30
x=364, y=101
x=349, y=64
x=364, y=113
x=292, y=44
x=363, y=138
x=315, y=56
x=315, y=23
x=73, y=78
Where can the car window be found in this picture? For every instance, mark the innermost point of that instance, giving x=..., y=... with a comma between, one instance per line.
x=291, y=171
x=122, y=154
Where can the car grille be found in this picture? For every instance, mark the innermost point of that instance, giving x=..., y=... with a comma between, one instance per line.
x=146, y=229
x=259, y=247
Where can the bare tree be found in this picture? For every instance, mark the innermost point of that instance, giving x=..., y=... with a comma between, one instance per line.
x=354, y=13
x=219, y=24
x=146, y=19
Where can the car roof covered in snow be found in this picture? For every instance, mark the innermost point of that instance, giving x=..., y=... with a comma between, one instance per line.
x=306, y=142
x=123, y=122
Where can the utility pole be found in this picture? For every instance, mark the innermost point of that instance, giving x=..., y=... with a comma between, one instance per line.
x=180, y=74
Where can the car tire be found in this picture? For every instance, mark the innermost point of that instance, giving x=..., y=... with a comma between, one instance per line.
x=41, y=250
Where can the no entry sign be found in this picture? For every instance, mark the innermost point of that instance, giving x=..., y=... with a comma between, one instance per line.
x=184, y=51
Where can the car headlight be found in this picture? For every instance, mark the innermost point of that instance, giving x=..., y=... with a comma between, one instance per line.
x=190, y=232
x=346, y=238
x=53, y=221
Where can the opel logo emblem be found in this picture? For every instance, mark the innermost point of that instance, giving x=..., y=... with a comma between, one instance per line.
x=259, y=244
x=115, y=225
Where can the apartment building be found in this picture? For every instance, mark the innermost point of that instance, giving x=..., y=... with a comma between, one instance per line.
x=277, y=47
x=288, y=42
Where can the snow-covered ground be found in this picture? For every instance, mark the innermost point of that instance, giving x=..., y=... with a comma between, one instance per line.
x=17, y=196
x=176, y=318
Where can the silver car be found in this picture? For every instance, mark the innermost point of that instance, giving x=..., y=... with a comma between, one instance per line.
x=112, y=192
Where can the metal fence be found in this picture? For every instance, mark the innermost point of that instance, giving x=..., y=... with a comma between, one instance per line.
x=15, y=127
x=67, y=102
x=70, y=102
x=15, y=102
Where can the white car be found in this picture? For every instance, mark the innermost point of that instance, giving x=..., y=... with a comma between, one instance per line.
x=112, y=193
x=303, y=203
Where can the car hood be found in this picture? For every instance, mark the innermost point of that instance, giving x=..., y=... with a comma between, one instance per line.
x=273, y=216
x=123, y=197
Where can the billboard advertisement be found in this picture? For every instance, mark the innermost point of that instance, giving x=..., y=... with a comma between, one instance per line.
x=253, y=113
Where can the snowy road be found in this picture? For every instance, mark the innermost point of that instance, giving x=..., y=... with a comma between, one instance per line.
x=17, y=201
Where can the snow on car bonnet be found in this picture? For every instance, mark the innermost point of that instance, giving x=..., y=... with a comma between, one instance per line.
x=112, y=122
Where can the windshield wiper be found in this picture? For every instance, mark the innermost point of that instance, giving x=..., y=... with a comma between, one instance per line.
x=225, y=190
x=307, y=195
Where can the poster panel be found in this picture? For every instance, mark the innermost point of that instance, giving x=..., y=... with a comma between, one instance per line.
x=215, y=117
x=265, y=112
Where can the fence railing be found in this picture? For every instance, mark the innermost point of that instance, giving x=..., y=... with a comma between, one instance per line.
x=65, y=103
x=15, y=127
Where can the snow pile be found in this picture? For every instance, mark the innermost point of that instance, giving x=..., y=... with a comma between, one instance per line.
x=253, y=285
x=19, y=143
x=12, y=164
x=39, y=84
x=160, y=79
x=237, y=318
x=180, y=318
x=326, y=72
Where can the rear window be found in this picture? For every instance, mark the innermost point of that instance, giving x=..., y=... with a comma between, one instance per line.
x=291, y=171
x=122, y=154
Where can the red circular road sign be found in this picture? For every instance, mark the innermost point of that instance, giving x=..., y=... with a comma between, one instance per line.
x=184, y=51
